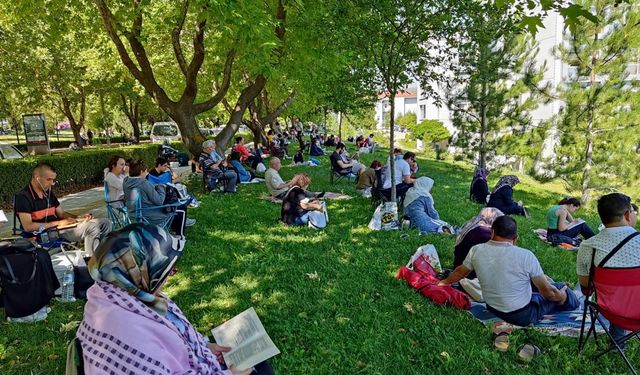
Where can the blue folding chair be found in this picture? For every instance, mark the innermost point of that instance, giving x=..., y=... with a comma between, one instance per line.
x=116, y=210
x=138, y=211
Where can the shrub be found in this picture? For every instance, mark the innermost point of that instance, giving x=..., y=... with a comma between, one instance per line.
x=76, y=169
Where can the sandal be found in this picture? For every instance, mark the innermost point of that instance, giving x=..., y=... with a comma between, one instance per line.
x=528, y=352
x=501, y=342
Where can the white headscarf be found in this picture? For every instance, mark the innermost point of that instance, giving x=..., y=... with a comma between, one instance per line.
x=485, y=218
x=421, y=188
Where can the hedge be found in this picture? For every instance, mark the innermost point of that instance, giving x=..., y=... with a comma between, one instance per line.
x=76, y=169
x=65, y=144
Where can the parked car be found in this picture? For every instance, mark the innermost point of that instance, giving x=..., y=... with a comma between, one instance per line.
x=8, y=152
x=165, y=130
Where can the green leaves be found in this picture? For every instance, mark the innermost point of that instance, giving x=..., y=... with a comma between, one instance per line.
x=531, y=24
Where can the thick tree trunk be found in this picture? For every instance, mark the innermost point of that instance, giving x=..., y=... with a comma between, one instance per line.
x=76, y=125
x=131, y=108
x=188, y=125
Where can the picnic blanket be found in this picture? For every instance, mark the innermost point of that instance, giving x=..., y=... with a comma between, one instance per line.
x=327, y=195
x=566, y=323
x=542, y=236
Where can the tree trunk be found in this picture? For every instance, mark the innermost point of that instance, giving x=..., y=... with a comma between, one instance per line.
x=392, y=164
x=76, y=125
x=247, y=95
x=191, y=136
x=340, y=126
x=131, y=108
x=588, y=151
x=482, y=157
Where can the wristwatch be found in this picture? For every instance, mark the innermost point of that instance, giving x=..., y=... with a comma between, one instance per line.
x=41, y=228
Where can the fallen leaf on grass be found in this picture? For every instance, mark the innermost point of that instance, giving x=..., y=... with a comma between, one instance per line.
x=66, y=327
x=53, y=357
x=445, y=355
x=313, y=276
x=409, y=307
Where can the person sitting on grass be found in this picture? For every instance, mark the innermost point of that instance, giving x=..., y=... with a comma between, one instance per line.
x=514, y=286
x=114, y=176
x=562, y=227
x=214, y=168
x=315, y=149
x=474, y=232
x=152, y=196
x=296, y=204
x=619, y=218
x=251, y=157
x=129, y=325
x=502, y=197
x=39, y=210
x=479, y=189
x=419, y=208
x=275, y=184
x=367, y=180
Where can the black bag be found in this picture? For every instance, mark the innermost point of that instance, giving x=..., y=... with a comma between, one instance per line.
x=82, y=281
x=172, y=195
x=27, y=278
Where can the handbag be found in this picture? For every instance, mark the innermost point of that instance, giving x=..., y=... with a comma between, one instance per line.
x=318, y=219
x=27, y=278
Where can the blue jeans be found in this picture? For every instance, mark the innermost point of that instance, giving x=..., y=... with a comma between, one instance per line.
x=617, y=333
x=302, y=220
x=537, y=308
x=422, y=214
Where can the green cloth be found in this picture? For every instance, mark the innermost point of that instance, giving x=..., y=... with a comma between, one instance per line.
x=552, y=217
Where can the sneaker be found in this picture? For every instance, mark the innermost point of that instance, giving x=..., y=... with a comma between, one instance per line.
x=194, y=204
x=190, y=222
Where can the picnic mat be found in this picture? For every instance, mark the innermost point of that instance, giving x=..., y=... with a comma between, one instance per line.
x=566, y=323
x=542, y=236
x=327, y=195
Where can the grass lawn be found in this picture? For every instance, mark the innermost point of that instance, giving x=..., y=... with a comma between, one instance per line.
x=329, y=298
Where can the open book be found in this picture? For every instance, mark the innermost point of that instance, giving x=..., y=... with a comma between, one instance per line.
x=574, y=223
x=250, y=344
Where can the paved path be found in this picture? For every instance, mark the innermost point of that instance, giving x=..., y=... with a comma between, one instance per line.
x=79, y=203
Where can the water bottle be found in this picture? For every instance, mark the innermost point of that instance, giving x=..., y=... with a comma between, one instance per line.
x=67, y=285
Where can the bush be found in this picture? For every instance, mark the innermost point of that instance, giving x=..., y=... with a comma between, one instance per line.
x=65, y=144
x=76, y=169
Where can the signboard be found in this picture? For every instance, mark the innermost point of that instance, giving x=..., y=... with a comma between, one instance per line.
x=35, y=130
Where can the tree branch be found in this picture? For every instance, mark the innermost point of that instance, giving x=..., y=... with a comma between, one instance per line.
x=222, y=90
x=175, y=38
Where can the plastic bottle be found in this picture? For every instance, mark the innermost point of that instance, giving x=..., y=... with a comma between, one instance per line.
x=67, y=285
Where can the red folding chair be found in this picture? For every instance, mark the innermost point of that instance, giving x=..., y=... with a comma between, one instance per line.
x=616, y=297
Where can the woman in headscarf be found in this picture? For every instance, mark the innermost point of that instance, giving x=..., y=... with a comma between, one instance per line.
x=502, y=197
x=479, y=188
x=420, y=208
x=474, y=232
x=129, y=326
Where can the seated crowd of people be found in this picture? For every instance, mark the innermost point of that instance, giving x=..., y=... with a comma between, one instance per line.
x=126, y=308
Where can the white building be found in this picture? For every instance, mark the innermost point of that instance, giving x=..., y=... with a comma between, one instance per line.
x=405, y=102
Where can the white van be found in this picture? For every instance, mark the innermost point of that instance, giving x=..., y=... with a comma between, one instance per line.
x=165, y=130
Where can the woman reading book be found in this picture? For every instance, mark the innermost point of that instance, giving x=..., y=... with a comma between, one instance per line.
x=129, y=325
x=562, y=227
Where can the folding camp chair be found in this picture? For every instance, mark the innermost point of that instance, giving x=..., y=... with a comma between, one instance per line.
x=135, y=208
x=49, y=244
x=336, y=174
x=616, y=297
x=116, y=210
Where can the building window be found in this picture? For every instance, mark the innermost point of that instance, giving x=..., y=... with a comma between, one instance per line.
x=423, y=111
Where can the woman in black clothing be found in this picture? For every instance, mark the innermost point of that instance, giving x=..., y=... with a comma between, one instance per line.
x=295, y=204
x=502, y=197
x=479, y=187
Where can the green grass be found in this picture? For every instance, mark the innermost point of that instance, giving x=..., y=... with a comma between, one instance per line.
x=354, y=317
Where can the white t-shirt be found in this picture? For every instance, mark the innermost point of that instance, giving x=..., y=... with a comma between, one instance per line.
x=505, y=272
x=603, y=243
x=401, y=167
x=272, y=179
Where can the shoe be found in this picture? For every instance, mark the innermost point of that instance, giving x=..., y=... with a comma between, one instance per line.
x=501, y=342
x=527, y=352
x=526, y=213
x=190, y=222
x=194, y=204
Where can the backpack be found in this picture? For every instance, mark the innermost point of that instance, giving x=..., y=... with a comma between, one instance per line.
x=27, y=278
x=172, y=195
